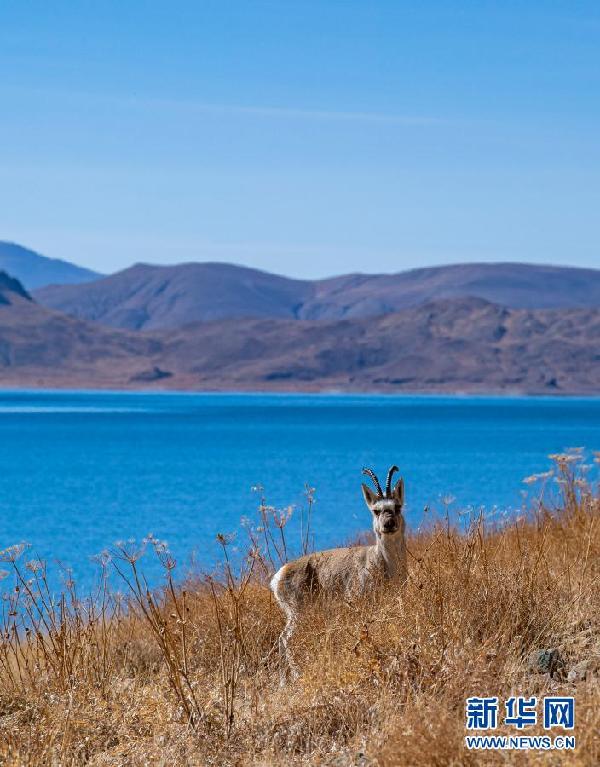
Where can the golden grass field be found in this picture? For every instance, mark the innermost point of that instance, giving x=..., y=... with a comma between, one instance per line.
x=189, y=675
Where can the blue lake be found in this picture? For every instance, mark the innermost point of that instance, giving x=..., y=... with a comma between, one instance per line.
x=79, y=471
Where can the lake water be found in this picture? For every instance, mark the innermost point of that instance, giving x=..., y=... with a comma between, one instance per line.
x=79, y=471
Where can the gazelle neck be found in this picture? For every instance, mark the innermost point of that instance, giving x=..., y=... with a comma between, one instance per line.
x=392, y=551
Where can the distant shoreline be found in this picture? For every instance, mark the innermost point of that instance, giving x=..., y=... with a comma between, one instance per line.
x=324, y=392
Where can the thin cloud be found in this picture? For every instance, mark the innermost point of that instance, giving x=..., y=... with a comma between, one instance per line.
x=249, y=110
x=316, y=114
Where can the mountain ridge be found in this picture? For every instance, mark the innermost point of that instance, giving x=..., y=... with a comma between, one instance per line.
x=149, y=297
x=34, y=270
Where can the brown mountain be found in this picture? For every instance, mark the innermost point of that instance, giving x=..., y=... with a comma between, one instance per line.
x=454, y=344
x=518, y=286
x=149, y=297
x=159, y=297
x=40, y=347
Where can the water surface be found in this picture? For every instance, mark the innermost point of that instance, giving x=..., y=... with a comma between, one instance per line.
x=79, y=471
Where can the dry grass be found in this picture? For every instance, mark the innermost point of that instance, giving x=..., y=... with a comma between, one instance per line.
x=189, y=675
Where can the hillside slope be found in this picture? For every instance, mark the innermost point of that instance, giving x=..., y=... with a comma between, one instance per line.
x=148, y=297
x=39, y=347
x=34, y=270
x=448, y=345
x=160, y=297
x=518, y=286
x=11, y=290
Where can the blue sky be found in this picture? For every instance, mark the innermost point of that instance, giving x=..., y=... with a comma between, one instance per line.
x=308, y=138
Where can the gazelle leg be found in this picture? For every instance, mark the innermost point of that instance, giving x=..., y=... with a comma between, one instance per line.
x=286, y=660
x=290, y=607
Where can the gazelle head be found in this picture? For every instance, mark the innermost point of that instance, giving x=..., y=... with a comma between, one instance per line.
x=386, y=508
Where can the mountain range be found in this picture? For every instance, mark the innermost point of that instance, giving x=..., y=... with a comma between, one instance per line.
x=472, y=328
x=147, y=297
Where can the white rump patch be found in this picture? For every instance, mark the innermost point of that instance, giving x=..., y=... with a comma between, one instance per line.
x=275, y=580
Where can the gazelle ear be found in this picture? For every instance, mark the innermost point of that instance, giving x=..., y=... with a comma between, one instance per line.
x=399, y=492
x=369, y=496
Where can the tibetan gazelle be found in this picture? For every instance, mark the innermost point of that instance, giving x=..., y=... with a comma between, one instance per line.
x=348, y=570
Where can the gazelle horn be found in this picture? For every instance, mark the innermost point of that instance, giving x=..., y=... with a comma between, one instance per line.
x=388, y=484
x=371, y=473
